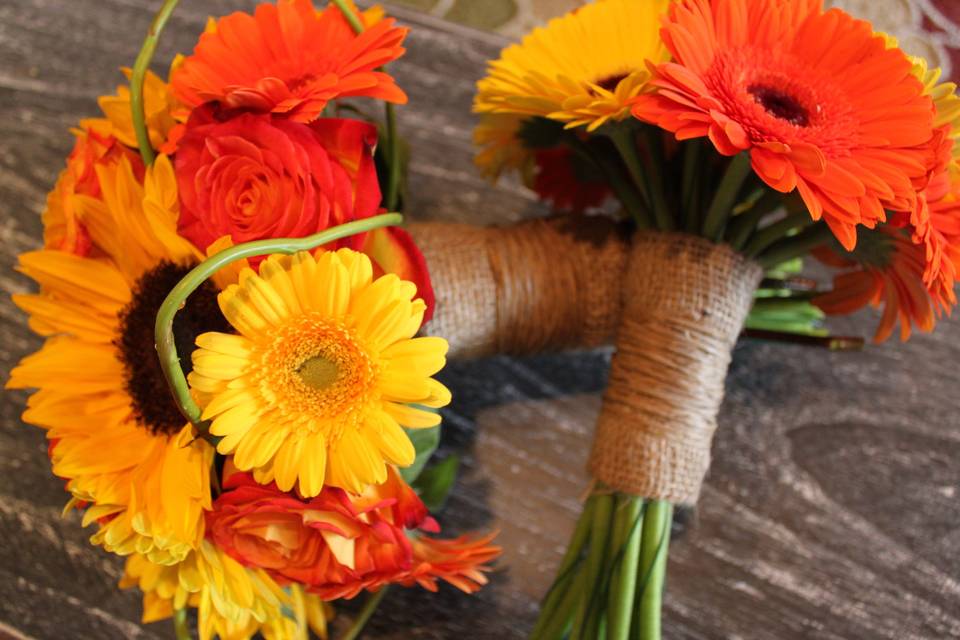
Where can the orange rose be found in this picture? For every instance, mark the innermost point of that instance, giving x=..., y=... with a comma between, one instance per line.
x=255, y=176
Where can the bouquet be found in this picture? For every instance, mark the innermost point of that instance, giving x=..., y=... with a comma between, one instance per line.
x=231, y=383
x=734, y=137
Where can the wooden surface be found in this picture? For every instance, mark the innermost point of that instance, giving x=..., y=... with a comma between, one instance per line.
x=831, y=510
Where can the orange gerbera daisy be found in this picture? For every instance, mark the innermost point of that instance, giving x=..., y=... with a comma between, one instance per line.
x=338, y=543
x=886, y=270
x=288, y=58
x=819, y=101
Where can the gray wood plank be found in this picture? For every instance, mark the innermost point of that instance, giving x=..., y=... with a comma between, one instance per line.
x=831, y=509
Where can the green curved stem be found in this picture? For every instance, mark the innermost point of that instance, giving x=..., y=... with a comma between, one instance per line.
x=725, y=196
x=175, y=300
x=181, y=629
x=349, y=16
x=795, y=246
x=369, y=607
x=393, y=152
x=140, y=66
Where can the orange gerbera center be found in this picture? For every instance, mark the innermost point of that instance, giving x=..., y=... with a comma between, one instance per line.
x=317, y=368
x=784, y=100
x=780, y=104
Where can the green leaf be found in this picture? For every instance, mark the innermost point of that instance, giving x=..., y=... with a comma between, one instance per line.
x=435, y=483
x=425, y=442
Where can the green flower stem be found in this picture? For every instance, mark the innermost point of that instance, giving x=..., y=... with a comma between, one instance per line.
x=565, y=573
x=181, y=629
x=832, y=343
x=624, y=140
x=163, y=329
x=791, y=283
x=624, y=575
x=393, y=149
x=797, y=303
x=776, y=231
x=558, y=625
x=795, y=246
x=623, y=188
x=140, y=66
x=726, y=196
x=653, y=566
x=393, y=152
x=690, y=185
x=352, y=19
x=744, y=225
x=369, y=608
x=599, y=539
x=653, y=163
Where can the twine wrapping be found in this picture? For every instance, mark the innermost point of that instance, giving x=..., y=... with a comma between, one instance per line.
x=685, y=300
x=534, y=286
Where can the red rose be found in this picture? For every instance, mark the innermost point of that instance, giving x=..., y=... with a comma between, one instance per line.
x=256, y=176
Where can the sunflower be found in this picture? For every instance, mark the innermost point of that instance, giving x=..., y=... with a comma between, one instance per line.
x=577, y=69
x=100, y=384
x=819, y=101
x=289, y=59
x=233, y=602
x=317, y=384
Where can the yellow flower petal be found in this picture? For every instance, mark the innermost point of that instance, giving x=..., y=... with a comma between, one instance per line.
x=411, y=417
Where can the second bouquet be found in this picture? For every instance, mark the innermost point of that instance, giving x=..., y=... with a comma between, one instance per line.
x=736, y=137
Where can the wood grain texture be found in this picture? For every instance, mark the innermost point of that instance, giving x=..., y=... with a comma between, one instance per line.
x=831, y=509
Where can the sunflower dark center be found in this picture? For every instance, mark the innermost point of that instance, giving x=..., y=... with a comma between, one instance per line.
x=780, y=104
x=152, y=404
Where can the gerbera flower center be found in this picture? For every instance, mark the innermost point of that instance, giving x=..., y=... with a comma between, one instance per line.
x=318, y=372
x=610, y=82
x=780, y=104
x=778, y=97
x=152, y=404
x=317, y=368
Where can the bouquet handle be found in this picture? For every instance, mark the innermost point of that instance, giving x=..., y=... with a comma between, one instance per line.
x=534, y=286
x=685, y=301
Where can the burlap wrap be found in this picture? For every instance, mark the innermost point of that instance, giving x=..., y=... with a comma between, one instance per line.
x=685, y=300
x=534, y=286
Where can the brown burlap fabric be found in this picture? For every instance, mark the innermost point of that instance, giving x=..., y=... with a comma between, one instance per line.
x=685, y=300
x=534, y=286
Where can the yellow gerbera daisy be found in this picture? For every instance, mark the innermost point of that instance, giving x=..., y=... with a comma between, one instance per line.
x=582, y=68
x=102, y=397
x=317, y=384
x=233, y=602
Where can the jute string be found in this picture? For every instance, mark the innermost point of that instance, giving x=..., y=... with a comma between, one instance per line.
x=534, y=286
x=685, y=300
